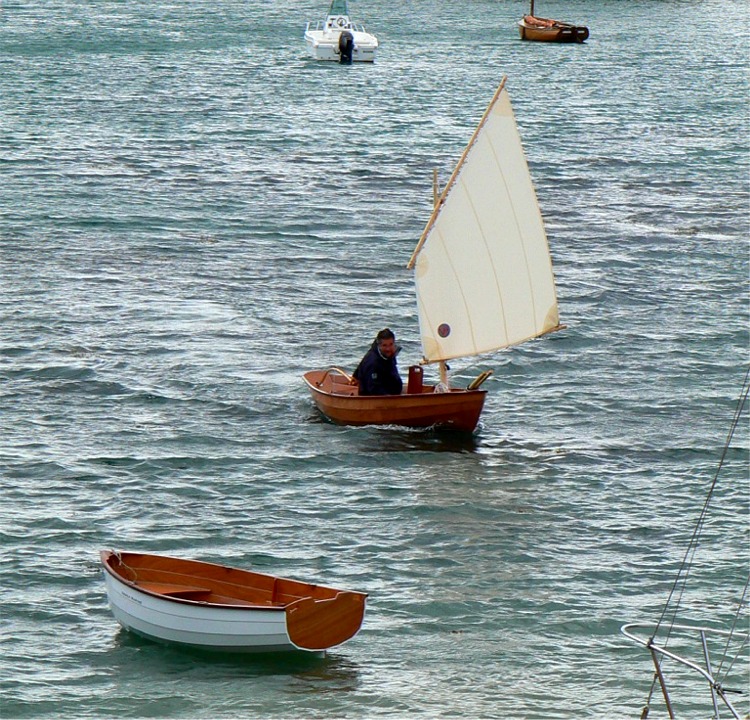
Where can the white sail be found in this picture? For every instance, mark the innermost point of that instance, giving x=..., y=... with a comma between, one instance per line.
x=483, y=271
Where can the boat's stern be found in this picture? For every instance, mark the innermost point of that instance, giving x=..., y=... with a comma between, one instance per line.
x=321, y=624
x=323, y=37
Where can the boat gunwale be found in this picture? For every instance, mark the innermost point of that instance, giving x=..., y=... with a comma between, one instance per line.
x=400, y=398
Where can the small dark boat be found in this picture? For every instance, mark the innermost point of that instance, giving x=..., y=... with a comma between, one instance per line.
x=541, y=29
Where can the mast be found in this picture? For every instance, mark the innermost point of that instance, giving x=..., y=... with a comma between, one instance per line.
x=443, y=367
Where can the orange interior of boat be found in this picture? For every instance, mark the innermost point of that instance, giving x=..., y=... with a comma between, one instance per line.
x=206, y=582
x=341, y=386
x=540, y=22
x=183, y=591
x=333, y=382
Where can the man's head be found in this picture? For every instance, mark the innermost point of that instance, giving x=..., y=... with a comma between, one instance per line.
x=386, y=343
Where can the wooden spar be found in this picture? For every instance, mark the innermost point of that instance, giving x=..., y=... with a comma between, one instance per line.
x=454, y=176
x=531, y=11
x=557, y=328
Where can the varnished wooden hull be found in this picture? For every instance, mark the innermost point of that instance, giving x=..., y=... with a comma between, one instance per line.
x=216, y=607
x=342, y=404
x=554, y=31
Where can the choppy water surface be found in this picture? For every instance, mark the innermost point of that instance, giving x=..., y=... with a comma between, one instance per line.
x=192, y=214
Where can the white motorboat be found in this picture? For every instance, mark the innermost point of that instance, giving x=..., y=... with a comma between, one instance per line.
x=216, y=607
x=338, y=39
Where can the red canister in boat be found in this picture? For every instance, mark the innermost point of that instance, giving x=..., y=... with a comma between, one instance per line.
x=416, y=373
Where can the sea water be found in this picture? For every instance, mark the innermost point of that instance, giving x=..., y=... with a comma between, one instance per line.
x=193, y=213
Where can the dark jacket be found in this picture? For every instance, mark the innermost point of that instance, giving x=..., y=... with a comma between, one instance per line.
x=378, y=375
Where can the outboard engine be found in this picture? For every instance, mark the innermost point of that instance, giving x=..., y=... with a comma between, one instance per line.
x=346, y=48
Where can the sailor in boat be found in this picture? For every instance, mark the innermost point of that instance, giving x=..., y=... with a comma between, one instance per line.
x=377, y=373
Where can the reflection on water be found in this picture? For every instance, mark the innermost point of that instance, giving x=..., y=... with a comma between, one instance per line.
x=396, y=438
x=217, y=680
x=166, y=657
x=399, y=439
x=335, y=673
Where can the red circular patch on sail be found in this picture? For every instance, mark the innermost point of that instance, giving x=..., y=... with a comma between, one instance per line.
x=444, y=330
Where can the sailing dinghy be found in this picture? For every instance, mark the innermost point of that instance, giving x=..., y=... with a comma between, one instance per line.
x=539, y=29
x=215, y=607
x=483, y=278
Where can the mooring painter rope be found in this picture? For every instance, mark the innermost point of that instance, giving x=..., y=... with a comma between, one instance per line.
x=123, y=564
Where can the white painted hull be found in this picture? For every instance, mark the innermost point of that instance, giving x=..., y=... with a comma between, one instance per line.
x=231, y=629
x=217, y=607
x=324, y=45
